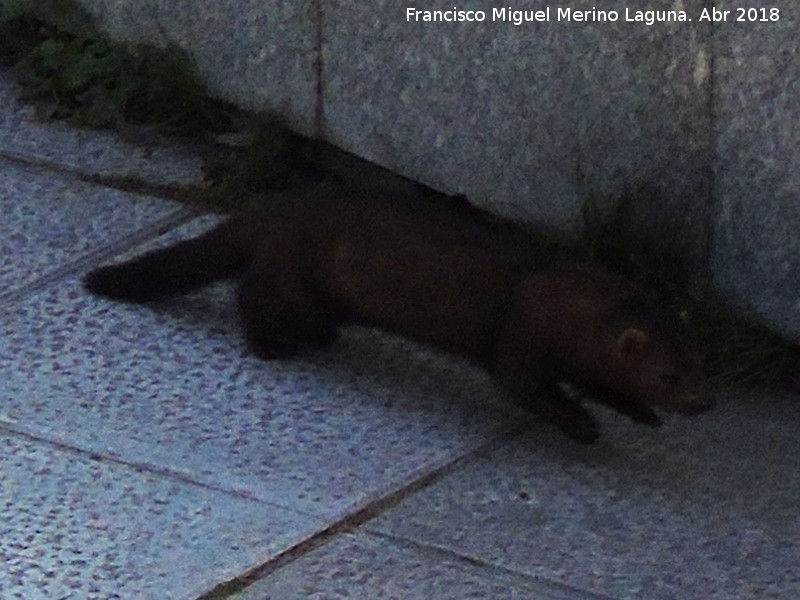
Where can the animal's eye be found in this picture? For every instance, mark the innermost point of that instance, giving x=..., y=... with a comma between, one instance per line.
x=670, y=378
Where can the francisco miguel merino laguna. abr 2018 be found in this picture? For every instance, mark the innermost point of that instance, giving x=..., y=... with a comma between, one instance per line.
x=545, y=15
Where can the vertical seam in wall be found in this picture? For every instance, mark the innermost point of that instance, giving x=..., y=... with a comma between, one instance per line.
x=319, y=107
x=713, y=192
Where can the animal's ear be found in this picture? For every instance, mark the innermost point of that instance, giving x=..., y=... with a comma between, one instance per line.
x=630, y=342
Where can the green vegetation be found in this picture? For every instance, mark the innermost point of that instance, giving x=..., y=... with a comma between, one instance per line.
x=75, y=73
x=72, y=72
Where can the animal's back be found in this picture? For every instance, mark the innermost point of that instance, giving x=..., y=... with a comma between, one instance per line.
x=424, y=272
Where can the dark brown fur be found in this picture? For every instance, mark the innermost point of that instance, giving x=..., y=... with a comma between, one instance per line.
x=445, y=277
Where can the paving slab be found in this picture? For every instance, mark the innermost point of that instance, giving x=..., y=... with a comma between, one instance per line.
x=172, y=386
x=80, y=527
x=366, y=566
x=23, y=136
x=50, y=221
x=702, y=508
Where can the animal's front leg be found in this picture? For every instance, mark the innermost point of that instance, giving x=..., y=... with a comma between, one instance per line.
x=523, y=376
x=566, y=413
x=625, y=404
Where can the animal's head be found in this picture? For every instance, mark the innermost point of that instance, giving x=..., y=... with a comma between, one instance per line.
x=613, y=338
x=659, y=359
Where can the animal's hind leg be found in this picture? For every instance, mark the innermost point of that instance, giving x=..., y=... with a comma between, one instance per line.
x=279, y=314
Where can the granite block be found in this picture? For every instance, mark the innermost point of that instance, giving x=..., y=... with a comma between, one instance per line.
x=528, y=120
x=756, y=257
x=172, y=386
x=50, y=221
x=24, y=137
x=259, y=55
x=367, y=566
x=701, y=508
x=75, y=525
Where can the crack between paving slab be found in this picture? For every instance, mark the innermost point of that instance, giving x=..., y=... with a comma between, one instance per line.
x=146, y=468
x=124, y=183
x=351, y=522
x=549, y=588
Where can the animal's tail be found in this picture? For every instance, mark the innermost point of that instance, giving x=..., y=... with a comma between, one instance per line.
x=220, y=253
